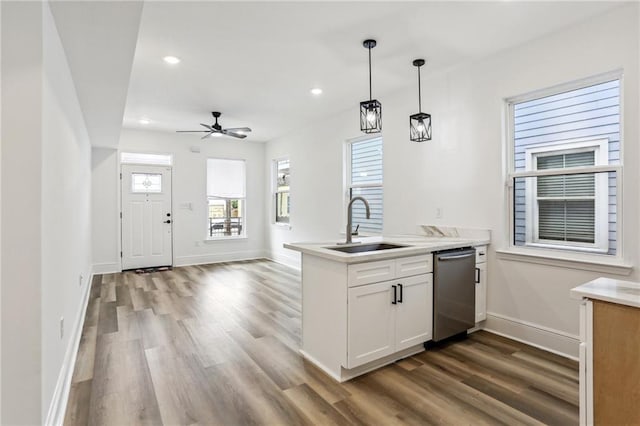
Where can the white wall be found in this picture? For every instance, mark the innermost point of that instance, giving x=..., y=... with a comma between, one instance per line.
x=189, y=186
x=21, y=158
x=462, y=169
x=45, y=211
x=104, y=210
x=66, y=210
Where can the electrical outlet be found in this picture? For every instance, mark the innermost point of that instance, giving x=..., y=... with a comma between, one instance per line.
x=80, y=280
x=61, y=327
x=438, y=212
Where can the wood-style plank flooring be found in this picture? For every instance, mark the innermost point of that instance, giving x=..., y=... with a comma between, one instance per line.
x=218, y=344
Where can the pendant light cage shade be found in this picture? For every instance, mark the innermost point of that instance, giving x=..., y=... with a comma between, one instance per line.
x=371, y=110
x=371, y=116
x=420, y=123
x=420, y=127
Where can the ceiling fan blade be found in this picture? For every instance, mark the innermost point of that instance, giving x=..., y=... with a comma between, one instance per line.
x=235, y=135
x=207, y=126
x=208, y=135
x=192, y=131
x=238, y=129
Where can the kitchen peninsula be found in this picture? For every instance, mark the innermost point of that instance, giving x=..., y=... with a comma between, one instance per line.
x=366, y=309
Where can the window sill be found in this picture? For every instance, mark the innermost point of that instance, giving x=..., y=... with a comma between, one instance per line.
x=582, y=262
x=220, y=239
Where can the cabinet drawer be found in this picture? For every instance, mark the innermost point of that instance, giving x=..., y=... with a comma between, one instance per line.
x=414, y=265
x=481, y=254
x=371, y=272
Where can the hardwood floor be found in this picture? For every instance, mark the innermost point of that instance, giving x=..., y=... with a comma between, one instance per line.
x=218, y=344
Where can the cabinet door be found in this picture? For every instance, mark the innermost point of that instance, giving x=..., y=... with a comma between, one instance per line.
x=371, y=323
x=414, y=311
x=481, y=292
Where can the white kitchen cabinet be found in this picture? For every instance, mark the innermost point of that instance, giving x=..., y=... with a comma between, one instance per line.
x=414, y=314
x=371, y=323
x=481, y=283
x=350, y=324
x=388, y=317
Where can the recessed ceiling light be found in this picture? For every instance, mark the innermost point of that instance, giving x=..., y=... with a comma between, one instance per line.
x=144, y=121
x=316, y=91
x=171, y=60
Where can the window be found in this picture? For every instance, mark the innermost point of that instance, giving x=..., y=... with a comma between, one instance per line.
x=565, y=168
x=364, y=179
x=146, y=183
x=226, y=198
x=281, y=190
x=144, y=158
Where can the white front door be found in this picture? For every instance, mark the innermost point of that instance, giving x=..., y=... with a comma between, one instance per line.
x=146, y=216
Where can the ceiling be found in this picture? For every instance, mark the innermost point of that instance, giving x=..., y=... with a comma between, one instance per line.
x=257, y=61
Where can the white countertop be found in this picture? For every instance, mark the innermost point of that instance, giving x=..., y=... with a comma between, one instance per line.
x=609, y=290
x=415, y=245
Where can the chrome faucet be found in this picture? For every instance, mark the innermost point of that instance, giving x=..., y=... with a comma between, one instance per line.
x=349, y=216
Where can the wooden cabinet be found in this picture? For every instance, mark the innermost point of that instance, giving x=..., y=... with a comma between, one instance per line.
x=609, y=363
x=481, y=283
x=388, y=316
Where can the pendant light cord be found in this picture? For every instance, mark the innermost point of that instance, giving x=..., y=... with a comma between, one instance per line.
x=370, y=96
x=419, y=93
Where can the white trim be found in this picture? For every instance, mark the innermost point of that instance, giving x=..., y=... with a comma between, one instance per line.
x=274, y=190
x=580, y=261
x=219, y=258
x=106, y=268
x=288, y=261
x=509, y=153
x=567, y=87
x=346, y=177
x=60, y=398
x=601, y=208
x=545, y=338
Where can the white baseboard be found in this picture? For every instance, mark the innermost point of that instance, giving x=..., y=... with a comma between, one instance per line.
x=106, y=268
x=60, y=398
x=217, y=258
x=293, y=261
x=548, y=339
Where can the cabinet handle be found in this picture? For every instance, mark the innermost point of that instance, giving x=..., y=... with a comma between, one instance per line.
x=477, y=275
x=395, y=295
x=400, y=300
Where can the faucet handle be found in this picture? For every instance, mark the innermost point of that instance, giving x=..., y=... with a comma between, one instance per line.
x=356, y=231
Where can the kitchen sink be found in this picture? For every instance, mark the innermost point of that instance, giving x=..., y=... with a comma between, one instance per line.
x=361, y=248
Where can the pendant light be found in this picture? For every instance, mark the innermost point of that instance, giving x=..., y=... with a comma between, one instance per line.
x=420, y=123
x=371, y=110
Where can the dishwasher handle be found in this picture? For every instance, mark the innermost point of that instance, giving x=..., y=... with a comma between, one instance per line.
x=455, y=256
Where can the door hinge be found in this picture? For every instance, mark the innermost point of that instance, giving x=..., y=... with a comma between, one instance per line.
x=120, y=254
x=120, y=215
x=120, y=176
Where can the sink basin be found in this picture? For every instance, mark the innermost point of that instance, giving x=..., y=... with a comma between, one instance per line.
x=361, y=248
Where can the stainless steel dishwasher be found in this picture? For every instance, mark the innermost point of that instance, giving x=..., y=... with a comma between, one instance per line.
x=454, y=292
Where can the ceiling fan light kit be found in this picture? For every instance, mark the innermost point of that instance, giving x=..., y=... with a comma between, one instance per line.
x=419, y=123
x=216, y=129
x=371, y=110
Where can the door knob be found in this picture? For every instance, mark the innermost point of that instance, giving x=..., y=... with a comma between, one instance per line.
x=168, y=214
x=167, y=221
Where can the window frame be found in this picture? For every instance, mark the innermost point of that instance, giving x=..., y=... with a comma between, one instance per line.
x=242, y=209
x=601, y=232
x=349, y=186
x=275, y=191
x=511, y=174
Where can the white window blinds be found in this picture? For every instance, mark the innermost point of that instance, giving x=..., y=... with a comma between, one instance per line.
x=566, y=203
x=225, y=178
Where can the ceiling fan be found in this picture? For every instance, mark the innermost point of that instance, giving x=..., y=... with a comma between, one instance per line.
x=216, y=130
